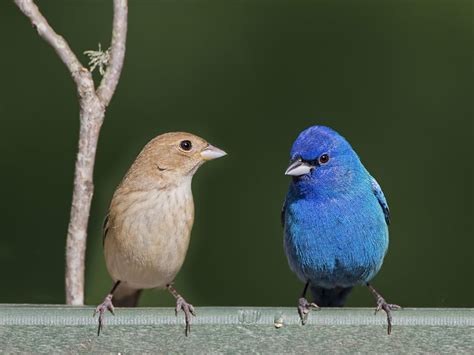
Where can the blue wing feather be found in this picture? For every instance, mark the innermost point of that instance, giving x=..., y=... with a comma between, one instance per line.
x=381, y=198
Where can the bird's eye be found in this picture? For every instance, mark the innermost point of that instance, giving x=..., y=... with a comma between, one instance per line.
x=323, y=159
x=186, y=145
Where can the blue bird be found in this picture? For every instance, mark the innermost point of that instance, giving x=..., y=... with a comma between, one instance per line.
x=335, y=219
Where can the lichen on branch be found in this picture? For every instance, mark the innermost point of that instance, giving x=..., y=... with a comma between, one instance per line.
x=98, y=58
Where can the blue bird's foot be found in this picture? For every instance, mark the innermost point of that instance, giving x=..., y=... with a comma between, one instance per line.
x=386, y=307
x=304, y=307
x=381, y=304
x=101, y=309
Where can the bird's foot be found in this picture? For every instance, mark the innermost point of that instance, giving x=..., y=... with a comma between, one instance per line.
x=101, y=309
x=387, y=308
x=188, y=310
x=304, y=307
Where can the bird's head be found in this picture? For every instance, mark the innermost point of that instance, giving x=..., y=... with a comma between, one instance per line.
x=323, y=160
x=171, y=157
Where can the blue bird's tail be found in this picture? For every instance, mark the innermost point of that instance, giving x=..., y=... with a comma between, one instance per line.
x=330, y=297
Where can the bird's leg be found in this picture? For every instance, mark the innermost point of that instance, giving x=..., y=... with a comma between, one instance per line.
x=105, y=306
x=382, y=304
x=186, y=307
x=304, y=307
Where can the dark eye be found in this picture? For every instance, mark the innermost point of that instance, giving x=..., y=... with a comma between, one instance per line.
x=323, y=159
x=186, y=145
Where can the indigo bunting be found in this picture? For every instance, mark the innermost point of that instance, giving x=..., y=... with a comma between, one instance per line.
x=147, y=229
x=335, y=219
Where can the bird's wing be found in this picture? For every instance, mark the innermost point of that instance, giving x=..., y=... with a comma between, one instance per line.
x=282, y=214
x=381, y=198
x=105, y=228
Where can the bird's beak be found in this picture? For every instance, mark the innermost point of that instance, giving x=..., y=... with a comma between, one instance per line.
x=211, y=152
x=298, y=168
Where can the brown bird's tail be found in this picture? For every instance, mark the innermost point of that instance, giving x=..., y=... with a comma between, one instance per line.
x=126, y=297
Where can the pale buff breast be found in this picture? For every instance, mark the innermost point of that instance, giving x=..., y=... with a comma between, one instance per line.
x=148, y=236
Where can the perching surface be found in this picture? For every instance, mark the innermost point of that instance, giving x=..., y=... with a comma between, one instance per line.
x=41, y=328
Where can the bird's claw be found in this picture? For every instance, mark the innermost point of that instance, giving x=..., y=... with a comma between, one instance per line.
x=188, y=310
x=381, y=304
x=107, y=305
x=304, y=307
x=387, y=308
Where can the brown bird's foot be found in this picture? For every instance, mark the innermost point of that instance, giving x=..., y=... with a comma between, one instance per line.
x=101, y=309
x=181, y=304
x=188, y=310
x=304, y=307
x=386, y=307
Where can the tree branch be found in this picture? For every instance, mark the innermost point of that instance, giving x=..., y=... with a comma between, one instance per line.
x=92, y=111
x=117, y=52
x=45, y=31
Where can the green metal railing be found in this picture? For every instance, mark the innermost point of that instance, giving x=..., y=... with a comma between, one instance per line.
x=44, y=328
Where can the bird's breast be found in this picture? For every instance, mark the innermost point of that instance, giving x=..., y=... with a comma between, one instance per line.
x=338, y=242
x=148, y=236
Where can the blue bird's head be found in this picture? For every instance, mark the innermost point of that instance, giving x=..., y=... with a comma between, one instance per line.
x=324, y=163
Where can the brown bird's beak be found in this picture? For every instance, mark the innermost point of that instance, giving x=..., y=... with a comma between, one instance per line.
x=211, y=152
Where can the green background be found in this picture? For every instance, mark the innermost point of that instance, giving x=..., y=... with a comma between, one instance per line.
x=394, y=77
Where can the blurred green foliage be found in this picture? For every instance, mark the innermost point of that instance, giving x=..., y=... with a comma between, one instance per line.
x=394, y=77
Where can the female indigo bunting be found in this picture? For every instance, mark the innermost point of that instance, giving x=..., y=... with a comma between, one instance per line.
x=335, y=220
x=147, y=230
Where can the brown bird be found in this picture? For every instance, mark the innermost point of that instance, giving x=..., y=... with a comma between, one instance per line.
x=147, y=229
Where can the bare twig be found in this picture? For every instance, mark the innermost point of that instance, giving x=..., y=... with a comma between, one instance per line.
x=92, y=110
x=117, y=52
x=29, y=8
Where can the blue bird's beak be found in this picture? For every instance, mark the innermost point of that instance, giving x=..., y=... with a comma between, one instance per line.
x=298, y=168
